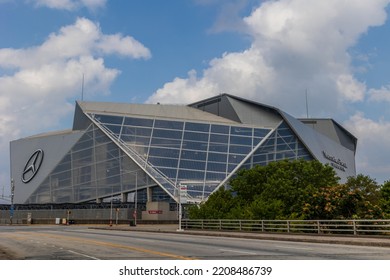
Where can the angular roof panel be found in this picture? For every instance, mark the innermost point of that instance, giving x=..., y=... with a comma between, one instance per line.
x=152, y=110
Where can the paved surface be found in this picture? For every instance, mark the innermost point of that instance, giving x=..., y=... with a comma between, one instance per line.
x=377, y=241
x=35, y=233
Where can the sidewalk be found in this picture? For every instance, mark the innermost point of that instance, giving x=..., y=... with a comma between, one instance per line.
x=376, y=241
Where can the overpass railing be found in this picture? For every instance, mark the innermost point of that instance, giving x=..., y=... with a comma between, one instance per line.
x=352, y=227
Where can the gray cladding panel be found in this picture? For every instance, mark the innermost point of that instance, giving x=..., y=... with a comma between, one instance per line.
x=332, y=130
x=324, y=149
x=254, y=114
x=54, y=147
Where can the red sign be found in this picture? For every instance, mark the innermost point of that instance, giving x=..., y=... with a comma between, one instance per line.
x=155, y=211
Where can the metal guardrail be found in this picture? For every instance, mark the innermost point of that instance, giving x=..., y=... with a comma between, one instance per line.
x=352, y=227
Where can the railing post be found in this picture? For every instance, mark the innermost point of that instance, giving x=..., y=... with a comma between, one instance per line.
x=220, y=224
x=288, y=226
x=240, y=225
x=202, y=224
x=318, y=227
x=354, y=227
x=262, y=225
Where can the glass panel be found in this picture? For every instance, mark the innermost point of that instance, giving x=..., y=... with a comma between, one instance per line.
x=244, y=131
x=284, y=132
x=106, y=119
x=244, y=150
x=163, y=162
x=138, y=122
x=191, y=175
x=217, y=157
x=211, y=176
x=193, y=164
x=191, y=145
x=222, y=148
x=136, y=140
x=217, y=167
x=160, y=152
x=168, y=124
x=197, y=127
x=241, y=140
x=222, y=129
x=196, y=136
x=169, y=172
x=140, y=131
x=194, y=155
x=256, y=141
x=168, y=143
x=235, y=158
x=116, y=129
x=218, y=138
x=259, y=158
x=261, y=132
x=171, y=134
x=231, y=167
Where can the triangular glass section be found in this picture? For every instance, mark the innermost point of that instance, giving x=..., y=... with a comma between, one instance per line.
x=282, y=144
x=198, y=155
x=94, y=168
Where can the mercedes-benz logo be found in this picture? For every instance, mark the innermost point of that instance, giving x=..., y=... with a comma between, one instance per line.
x=32, y=166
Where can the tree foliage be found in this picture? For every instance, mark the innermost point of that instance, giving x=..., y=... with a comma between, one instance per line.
x=295, y=190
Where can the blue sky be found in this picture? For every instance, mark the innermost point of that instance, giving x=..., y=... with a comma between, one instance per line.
x=179, y=51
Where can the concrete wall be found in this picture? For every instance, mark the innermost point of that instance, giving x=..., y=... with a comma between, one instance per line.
x=155, y=211
x=158, y=211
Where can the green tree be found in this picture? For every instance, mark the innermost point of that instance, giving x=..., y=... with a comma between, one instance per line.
x=289, y=183
x=385, y=198
x=363, y=200
x=296, y=190
x=218, y=206
x=358, y=198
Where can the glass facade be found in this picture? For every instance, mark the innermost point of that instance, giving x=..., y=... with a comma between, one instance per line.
x=118, y=155
x=198, y=155
x=281, y=144
x=94, y=168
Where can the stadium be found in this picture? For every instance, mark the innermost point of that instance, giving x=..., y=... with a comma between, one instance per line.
x=151, y=157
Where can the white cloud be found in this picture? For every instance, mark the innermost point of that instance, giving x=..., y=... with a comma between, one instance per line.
x=372, y=157
x=71, y=4
x=38, y=84
x=82, y=38
x=381, y=94
x=297, y=45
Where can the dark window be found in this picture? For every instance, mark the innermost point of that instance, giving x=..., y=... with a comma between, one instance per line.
x=109, y=119
x=168, y=124
x=197, y=127
x=138, y=122
x=222, y=129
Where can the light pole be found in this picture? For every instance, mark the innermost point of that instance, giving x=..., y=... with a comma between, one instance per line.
x=112, y=189
x=136, y=199
x=12, y=201
x=182, y=199
x=123, y=171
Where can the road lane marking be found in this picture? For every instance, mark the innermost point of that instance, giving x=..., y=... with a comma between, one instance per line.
x=240, y=252
x=113, y=245
x=294, y=248
x=84, y=255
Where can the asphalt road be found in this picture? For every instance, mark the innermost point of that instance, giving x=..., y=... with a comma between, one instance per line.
x=83, y=243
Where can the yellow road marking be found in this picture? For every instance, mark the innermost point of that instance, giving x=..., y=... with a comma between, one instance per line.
x=113, y=245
